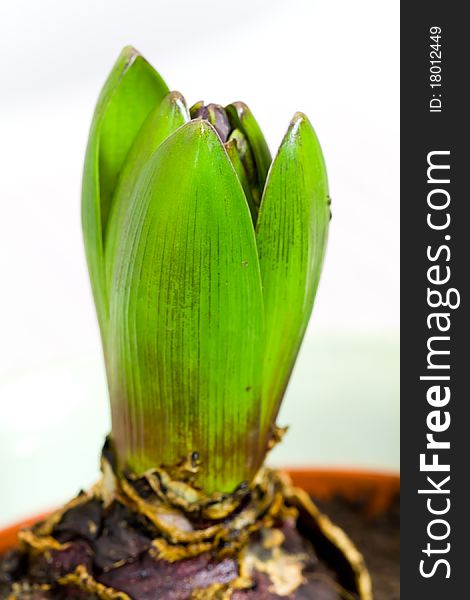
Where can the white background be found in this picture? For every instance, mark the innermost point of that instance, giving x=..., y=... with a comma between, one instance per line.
x=335, y=60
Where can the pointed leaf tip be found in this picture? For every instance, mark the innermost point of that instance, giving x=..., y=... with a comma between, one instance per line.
x=242, y=118
x=170, y=114
x=131, y=91
x=129, y=50
x=291, y=235
x=298, y=125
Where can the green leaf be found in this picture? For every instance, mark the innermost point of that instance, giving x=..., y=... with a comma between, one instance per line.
x=187, y=316
x=131, y=91
x=166, y=117
x=232, y=148
x=242, y=118
x=291, y=236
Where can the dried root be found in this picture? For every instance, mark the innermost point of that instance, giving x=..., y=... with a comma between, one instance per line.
x=159, y=536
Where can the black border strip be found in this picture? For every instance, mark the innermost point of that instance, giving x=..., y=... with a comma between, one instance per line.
x=422, y=132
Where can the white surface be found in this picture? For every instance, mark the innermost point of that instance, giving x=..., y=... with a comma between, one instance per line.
x=335, y=60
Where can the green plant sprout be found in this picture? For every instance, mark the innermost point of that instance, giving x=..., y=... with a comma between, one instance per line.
x=204, y=257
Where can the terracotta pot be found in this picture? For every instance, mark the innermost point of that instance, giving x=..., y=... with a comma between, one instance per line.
x=377, y=489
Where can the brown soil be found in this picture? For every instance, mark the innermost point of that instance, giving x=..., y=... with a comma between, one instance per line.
x=378, y=538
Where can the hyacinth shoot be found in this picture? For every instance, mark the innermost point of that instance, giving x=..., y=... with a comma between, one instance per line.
x=204, y=257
